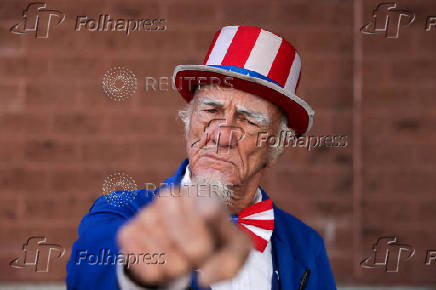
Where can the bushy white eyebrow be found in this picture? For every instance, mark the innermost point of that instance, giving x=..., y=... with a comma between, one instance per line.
x=259, y=117
x=211, y=102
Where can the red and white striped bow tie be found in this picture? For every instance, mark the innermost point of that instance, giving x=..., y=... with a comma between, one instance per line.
x=257, y=221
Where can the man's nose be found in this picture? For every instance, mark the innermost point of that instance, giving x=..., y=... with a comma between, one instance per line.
x=224, y=134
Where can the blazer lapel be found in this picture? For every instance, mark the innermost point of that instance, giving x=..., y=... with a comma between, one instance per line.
x=289, y=270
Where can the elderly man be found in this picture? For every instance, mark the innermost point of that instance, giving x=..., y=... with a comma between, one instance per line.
x=211, y=225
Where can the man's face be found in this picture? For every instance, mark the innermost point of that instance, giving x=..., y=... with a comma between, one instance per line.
x=221, y=138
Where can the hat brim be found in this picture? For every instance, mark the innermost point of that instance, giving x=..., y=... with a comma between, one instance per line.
x=299, y=113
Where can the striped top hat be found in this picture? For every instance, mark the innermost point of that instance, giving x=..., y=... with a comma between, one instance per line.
x=256, y=61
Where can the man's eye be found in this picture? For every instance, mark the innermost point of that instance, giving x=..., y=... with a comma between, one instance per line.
x=251, y=123
x=211, y=110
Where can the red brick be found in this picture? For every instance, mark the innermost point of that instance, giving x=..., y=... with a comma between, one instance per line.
x=90, y=69
x=389, y=210
x=87, y=182
x=154, y=152
x=92, y=96
x=324, y=14
x=191, y=12
x=342, y=269
x=11, y=44
x=236, y=13
x=162, y=95
x=375, y=46
x=9, y=208
x=19, y=123
x=143, y=123
x=132, y=9
x=23, y=179
x=329, y=98
x=49, y=150
x=333, y=183
x=107, y=151
x=325, y=43
x=376, y=73
x=11, y=97
x=11, y=151
x=413, y=70
x=77, y=123
x=391, y=157
x=49, y=207
x=380, y=99
x=400, y=127
x=332, y=72
x=399, y=183
x=175, y=127
x=50, y=94
x=24, y=67
x=426, y=42
x=12, y=10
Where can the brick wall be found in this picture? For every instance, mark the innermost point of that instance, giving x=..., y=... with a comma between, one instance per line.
x=60, y=137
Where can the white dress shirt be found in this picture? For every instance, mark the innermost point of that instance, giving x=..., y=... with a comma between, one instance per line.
x=256, y=274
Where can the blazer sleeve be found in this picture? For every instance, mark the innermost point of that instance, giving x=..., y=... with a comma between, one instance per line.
x=321, y=276
x=92, y=263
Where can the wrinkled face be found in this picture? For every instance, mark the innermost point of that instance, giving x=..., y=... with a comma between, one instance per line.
x=224, y=127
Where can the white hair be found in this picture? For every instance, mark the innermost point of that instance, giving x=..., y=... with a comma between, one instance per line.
x=283, y=127
x=185, y=115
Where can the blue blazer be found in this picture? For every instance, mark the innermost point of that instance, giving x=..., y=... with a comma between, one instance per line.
x=299, y=257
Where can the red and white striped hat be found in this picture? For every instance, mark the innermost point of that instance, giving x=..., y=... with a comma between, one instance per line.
x=256, y=61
